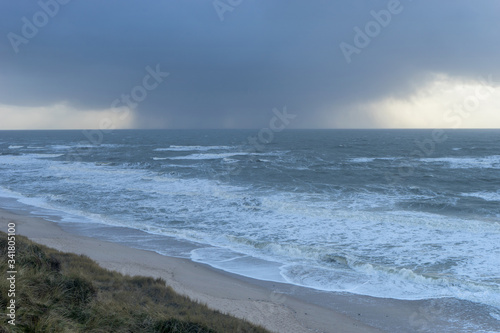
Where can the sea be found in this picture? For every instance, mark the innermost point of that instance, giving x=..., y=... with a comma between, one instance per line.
x=403, y=214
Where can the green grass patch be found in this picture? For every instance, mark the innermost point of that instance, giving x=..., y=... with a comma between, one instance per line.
x=64, y=292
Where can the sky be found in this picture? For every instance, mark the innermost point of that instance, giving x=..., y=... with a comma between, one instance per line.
x=110, y=64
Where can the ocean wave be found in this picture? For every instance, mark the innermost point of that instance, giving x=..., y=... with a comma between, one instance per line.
x=25, y=159
x=488, y=196
x=60, y=147
x=45, y=155
x=195, y=148
x=327, y=224
x=371, y=159
x=84, y=146
x=486, y=162
x=387, y=281
x=466, y=162
x=212, y=156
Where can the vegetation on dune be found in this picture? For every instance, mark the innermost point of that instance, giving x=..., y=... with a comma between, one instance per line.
x=63, y=292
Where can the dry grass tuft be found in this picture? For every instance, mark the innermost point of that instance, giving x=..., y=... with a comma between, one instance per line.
x=63, y=292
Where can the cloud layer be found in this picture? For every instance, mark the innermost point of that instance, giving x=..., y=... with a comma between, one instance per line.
x=263, y=54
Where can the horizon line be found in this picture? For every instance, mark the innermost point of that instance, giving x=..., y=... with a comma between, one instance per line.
x=246, y=129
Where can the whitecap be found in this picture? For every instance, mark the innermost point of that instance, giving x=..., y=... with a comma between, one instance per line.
x=195, y=148
x=486, y=162
x=209, y=156
x=488, y=196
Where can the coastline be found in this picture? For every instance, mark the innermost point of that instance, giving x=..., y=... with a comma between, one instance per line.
x=279, y=307
x=221, y=291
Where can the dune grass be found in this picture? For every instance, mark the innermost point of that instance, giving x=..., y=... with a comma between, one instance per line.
x=63, y=292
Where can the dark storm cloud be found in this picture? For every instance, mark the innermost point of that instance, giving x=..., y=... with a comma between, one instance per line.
x=264, y=54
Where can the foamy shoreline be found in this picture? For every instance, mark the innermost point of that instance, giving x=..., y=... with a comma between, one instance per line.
x=278, y=307
x=219, y=290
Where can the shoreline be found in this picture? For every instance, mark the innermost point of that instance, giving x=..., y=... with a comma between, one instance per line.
x=220, y=290
x=279, y=307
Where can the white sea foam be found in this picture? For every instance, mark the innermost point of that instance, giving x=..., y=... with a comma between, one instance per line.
x=15, y=147
x=239, y=263
x=468, y=162
x=488, y=196
x=230, y=160
x=60, y=147
x=211, y=156
x=25, y=159
x=45, y=155
x=84, y=146
x=41, y=206
x=344, y=240
x=196, y=148
x=362, y=160
x=370, y=159
x=488, y=162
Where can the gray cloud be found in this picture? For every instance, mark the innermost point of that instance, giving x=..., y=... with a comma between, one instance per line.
x=232, y=73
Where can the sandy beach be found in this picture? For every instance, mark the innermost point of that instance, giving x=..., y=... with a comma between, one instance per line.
x=278, y=307
x=219, y=290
